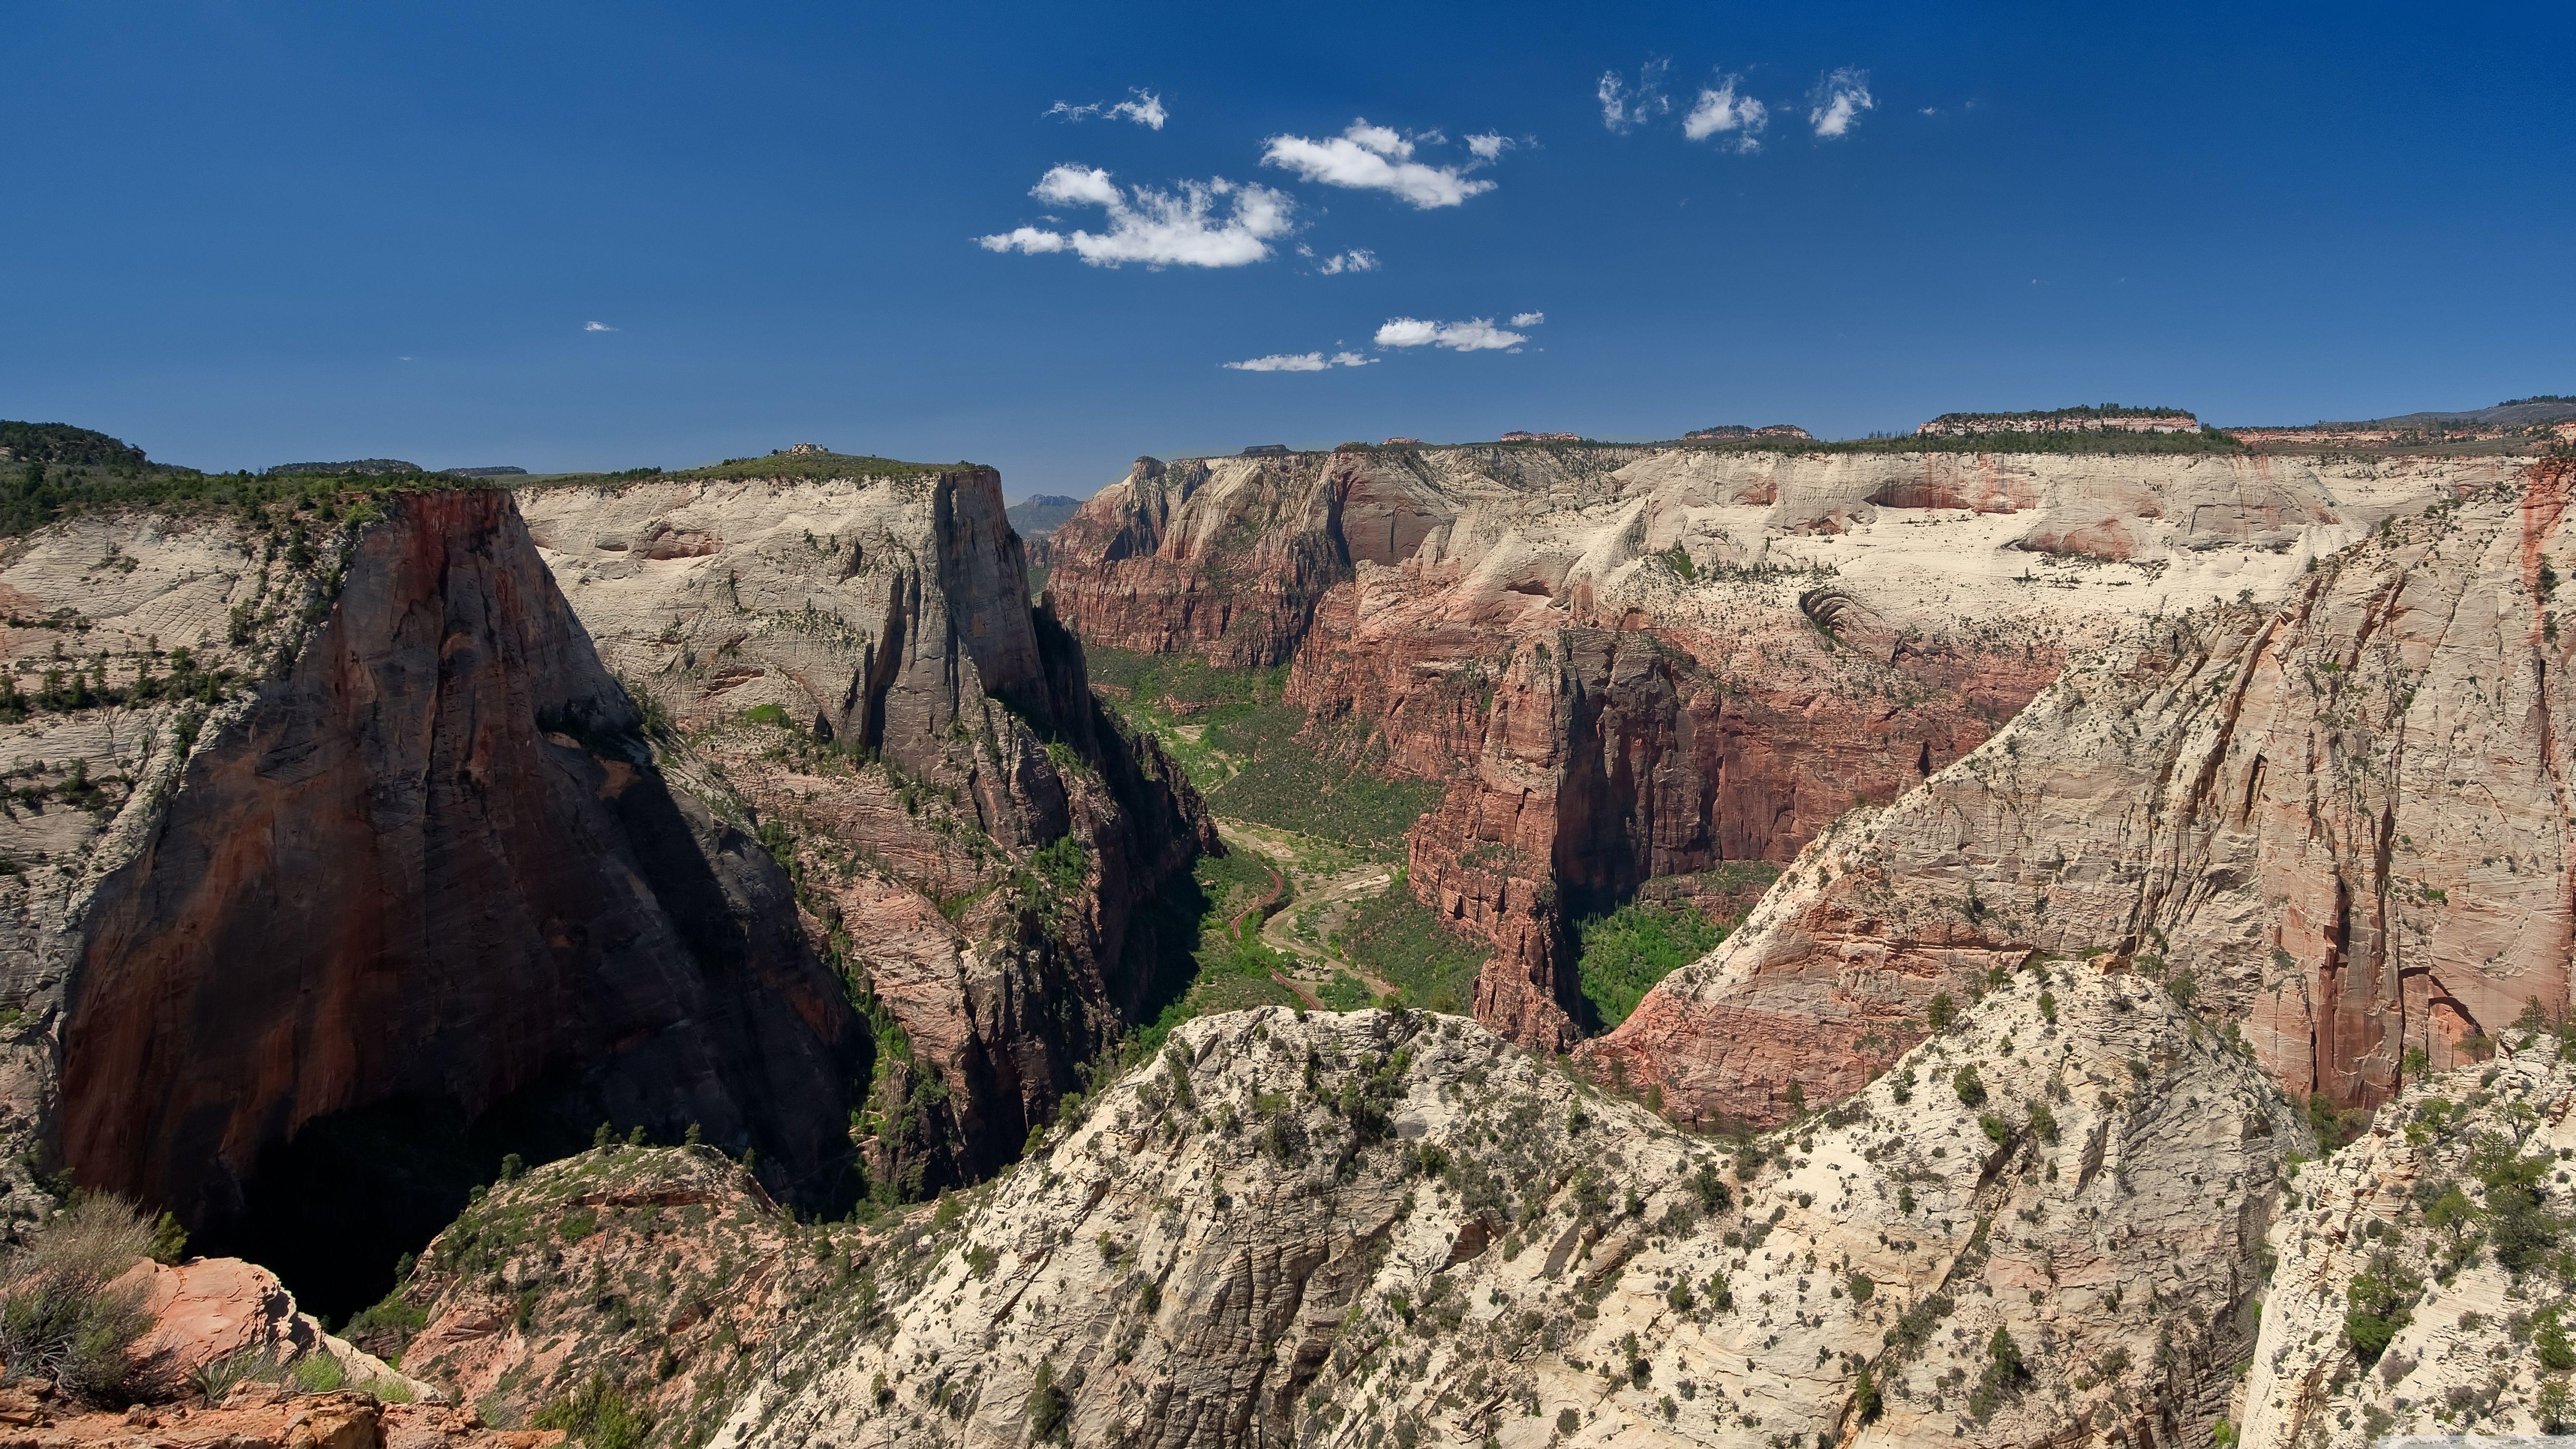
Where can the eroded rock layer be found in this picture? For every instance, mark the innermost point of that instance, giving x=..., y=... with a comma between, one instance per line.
x=1630, y=662
x=2344, y=822
x=858, y=660
x=1330, y=1230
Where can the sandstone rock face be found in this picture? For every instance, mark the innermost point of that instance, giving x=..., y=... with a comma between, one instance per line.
x=2467, y=1342
x=1334, y=1229
x=427, y=860
x=667, y=1271
x=210, y=1310
x=858, y=660
x=1637, y=661
x=2344, y=821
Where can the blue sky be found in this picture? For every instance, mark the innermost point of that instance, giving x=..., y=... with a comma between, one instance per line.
x=251, y=233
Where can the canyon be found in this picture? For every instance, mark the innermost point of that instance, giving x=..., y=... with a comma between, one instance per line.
x=712, y=928
x=1624, y=664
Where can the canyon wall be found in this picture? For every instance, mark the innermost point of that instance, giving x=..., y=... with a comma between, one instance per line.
x=1635, y=661
x=2343, y=820
x=347, y=832
x=1377, y=1227
x=858, y=660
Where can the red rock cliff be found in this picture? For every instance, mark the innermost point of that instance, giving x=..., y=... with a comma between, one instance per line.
x=434, y=863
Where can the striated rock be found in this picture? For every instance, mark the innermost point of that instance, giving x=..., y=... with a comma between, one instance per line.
x=2419, y=1289
x=1630, y=662
x=2344, y=824
x=858, y=660
x=1332, y=1229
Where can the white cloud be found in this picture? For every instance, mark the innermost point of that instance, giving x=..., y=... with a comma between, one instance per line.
x=597, y=327
x=1721, y=112
x=1373, y=158
x=1489, y=147
x=1476, y=334
x=1835, y=105
x=1624, y=109
x=1300, y=362
x=1143, y=107
x=1528, y=319
x=1357, y=259
x=1158, y=228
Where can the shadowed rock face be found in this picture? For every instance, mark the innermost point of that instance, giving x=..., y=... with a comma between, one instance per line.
x=2346, y=821
x=858, y=661
x=433, y=864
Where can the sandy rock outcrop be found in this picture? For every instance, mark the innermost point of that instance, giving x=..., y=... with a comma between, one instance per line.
x=211, y=1313
x=2344, y=822
x=1332, y=1229
x=2422, y=1285
x=858, y=659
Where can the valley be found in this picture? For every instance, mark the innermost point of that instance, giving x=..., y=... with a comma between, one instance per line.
x=1510, y=944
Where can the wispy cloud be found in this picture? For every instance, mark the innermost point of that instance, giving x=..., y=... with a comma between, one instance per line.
x=1625, y=107
x=1528, y=319
x=1721, y=112
x=1183, y=227
x=1357, y=259
x=1835, y=106
x=1374, y=158
x=1300, y=362
x=1488, y=147
x=1476, y=334
x=1143, y=107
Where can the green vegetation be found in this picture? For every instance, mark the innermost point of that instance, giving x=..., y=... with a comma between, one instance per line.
x=1251, y=755
x=1201, y=939
x=60, y=1317
x=2380, y=1300
x=34, y=495
x=597, y=1414
x=63, y=443
x=1627, y=951
x=1401, y=942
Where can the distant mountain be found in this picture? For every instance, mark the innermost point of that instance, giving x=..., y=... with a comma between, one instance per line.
x=63, y=443
x=499, y=471
x=1039, y=516
x=2520, y=412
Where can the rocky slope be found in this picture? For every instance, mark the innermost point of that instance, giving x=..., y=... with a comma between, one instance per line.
x=1634, y=662
x=1333, y=1229
x=2423, y=1287
x=2342, y=821
x=667, y=1270
x=342, y=861
x=855, y=655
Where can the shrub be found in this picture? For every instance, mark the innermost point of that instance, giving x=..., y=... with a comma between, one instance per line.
x=1970, y=1087
x=1047, y=1407
x=596, y=1414
x=319, y=1373
x=59, y=1317
x=1943, y=1012
x=2379, y=1300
